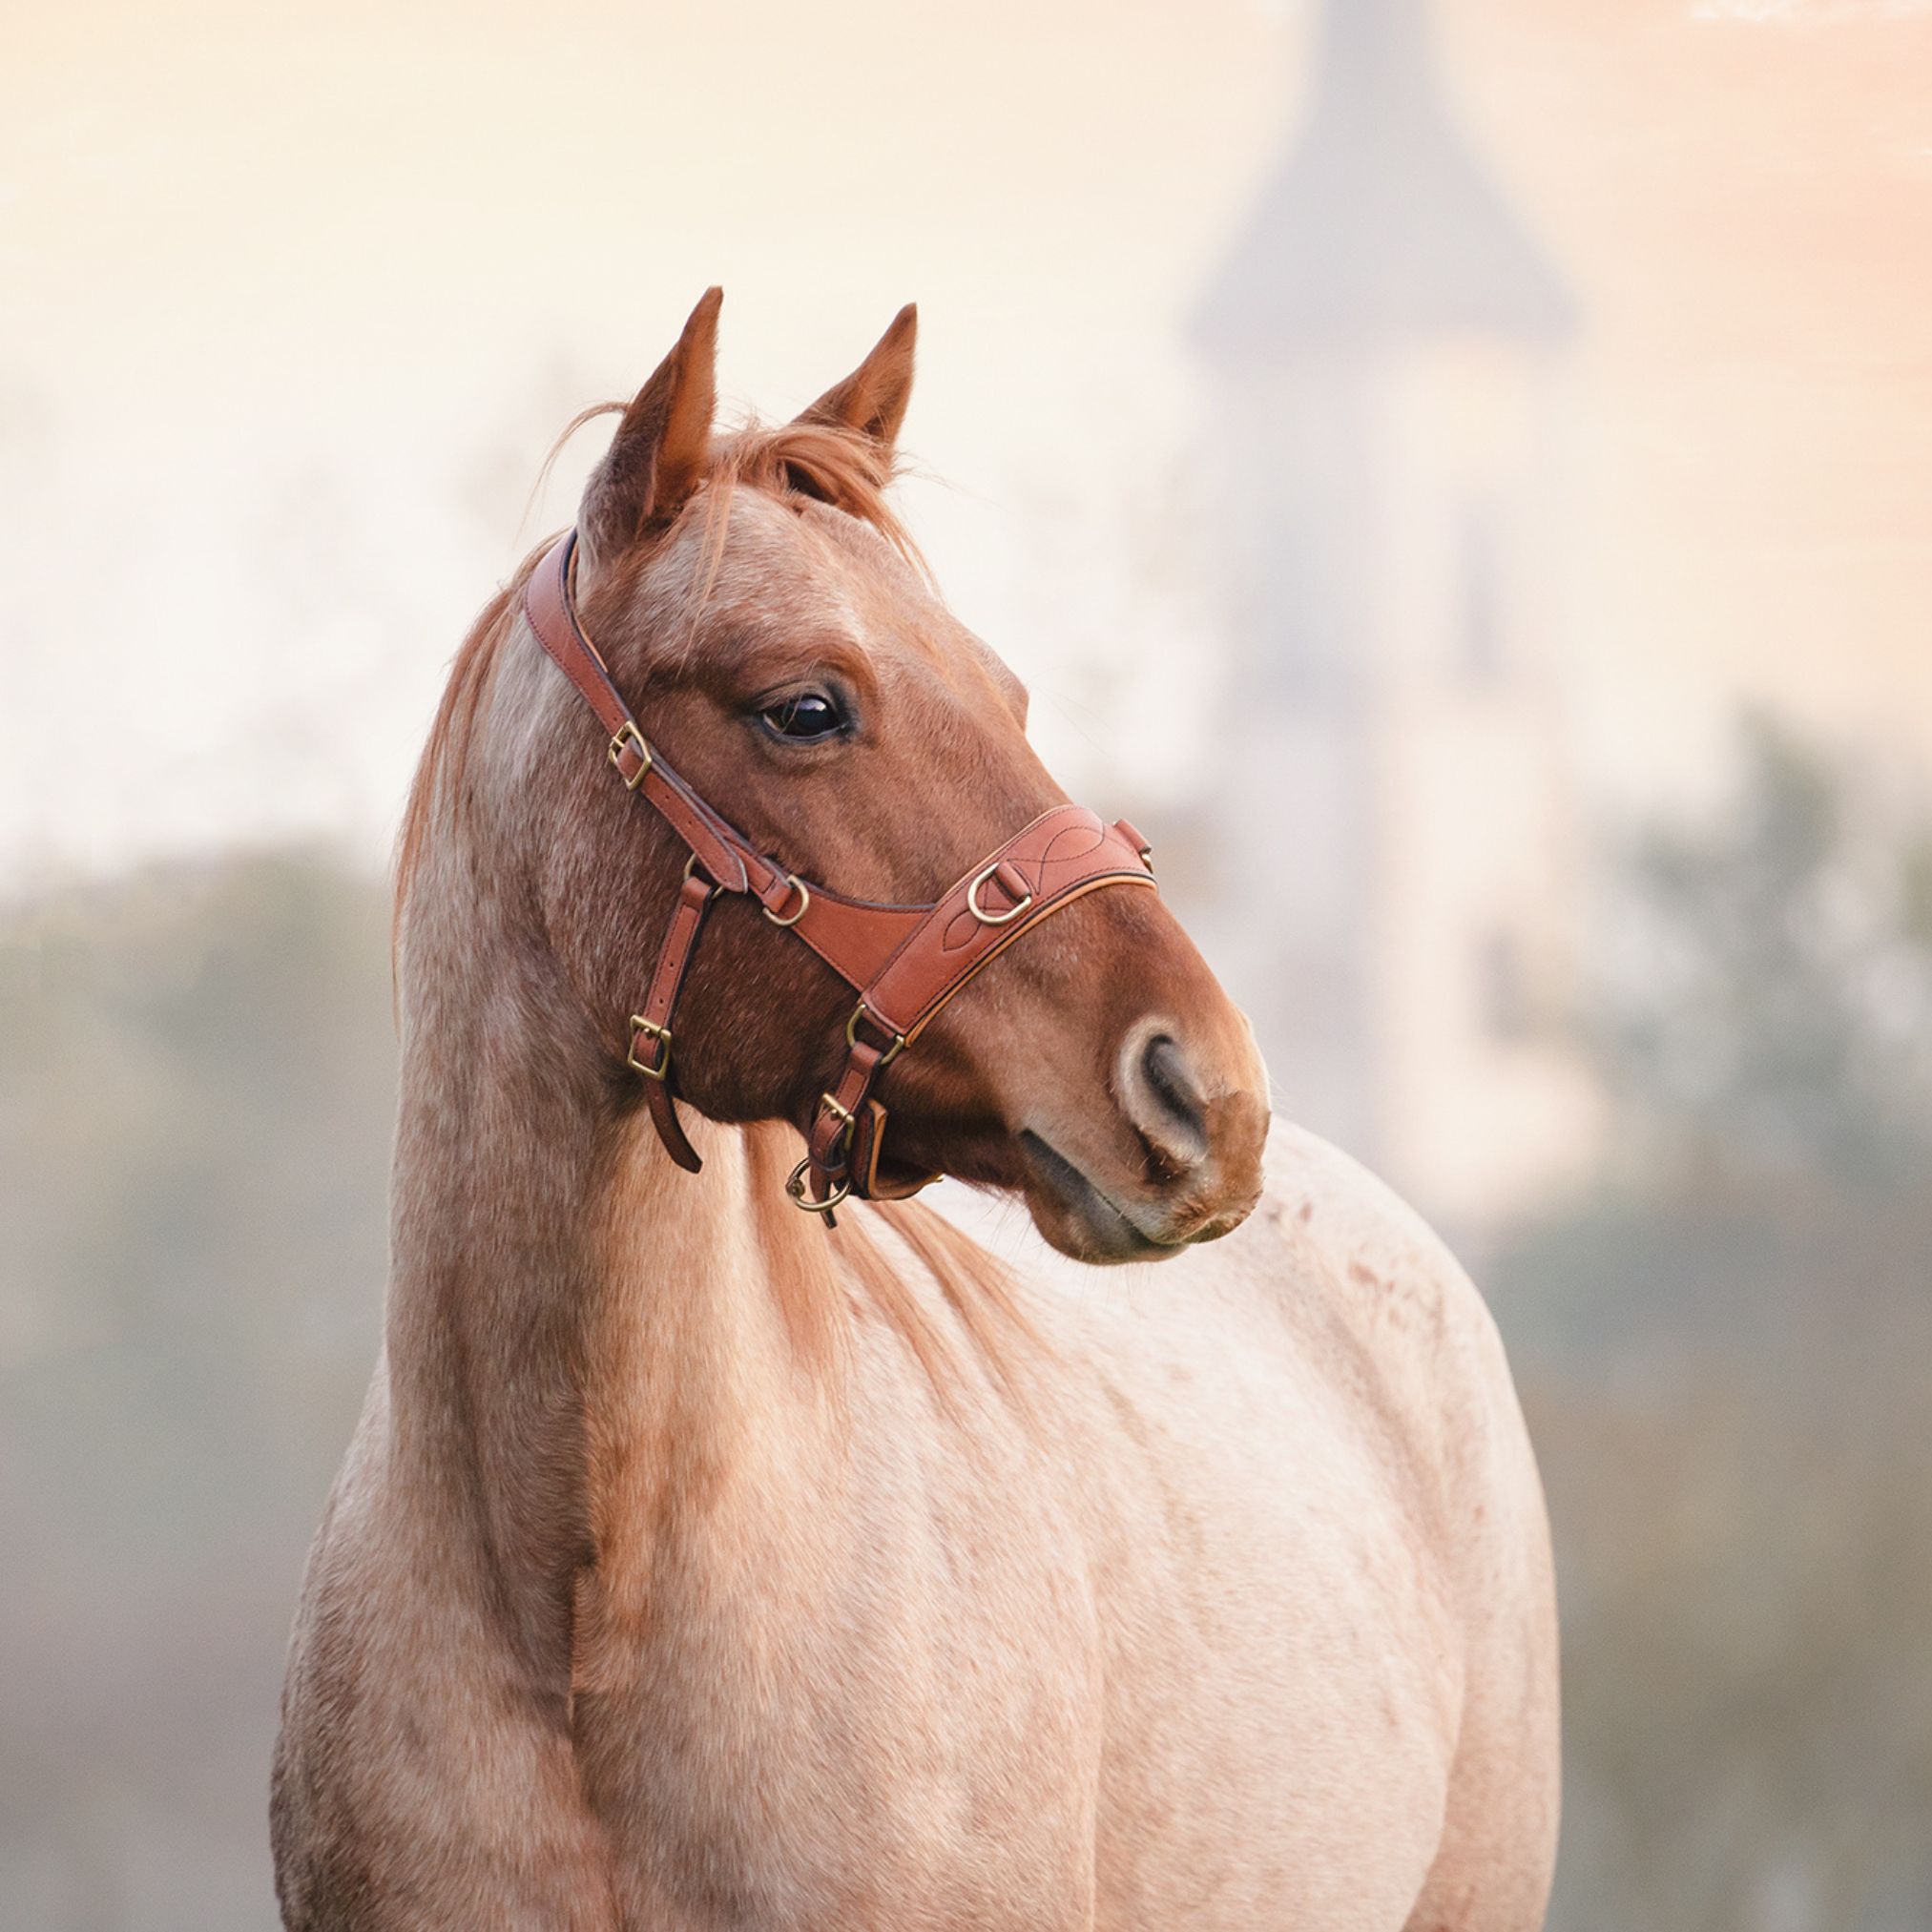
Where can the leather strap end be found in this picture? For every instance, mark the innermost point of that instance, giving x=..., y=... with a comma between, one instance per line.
x=657, y=1097
x=1137, y=839
x=868, y=1145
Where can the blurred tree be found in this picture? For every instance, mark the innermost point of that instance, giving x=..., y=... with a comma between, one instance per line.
x=1725, y=1353
x=1773, y=1011
x=196, y=1073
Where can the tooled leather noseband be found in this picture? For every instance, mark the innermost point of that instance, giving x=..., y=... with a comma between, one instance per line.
x=904, y=962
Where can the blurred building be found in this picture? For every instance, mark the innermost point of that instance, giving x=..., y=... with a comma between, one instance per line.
x=1391, y=816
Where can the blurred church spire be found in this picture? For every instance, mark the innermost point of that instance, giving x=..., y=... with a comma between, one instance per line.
x=1383, y=348
x=1380, y=220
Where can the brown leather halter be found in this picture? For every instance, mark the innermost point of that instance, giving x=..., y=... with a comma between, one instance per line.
x=904, y=962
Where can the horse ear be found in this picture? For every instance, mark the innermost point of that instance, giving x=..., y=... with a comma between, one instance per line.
x=873, y=398
x=660, y=451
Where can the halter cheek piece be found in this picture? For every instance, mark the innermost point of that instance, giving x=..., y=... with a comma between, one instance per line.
x=904, y=962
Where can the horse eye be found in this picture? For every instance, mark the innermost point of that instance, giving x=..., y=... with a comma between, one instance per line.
x=807, y=715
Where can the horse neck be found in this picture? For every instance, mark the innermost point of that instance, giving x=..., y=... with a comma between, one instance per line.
x=576, y=1330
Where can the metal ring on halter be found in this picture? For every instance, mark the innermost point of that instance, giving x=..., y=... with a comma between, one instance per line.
x=979, y=911
x=862, y=1012
x=804, y=891
x=795, y=1188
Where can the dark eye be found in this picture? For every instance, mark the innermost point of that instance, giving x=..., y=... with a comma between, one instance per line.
x=806, y=715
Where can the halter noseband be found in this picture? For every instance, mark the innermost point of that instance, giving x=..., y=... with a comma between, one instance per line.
x=904, y=962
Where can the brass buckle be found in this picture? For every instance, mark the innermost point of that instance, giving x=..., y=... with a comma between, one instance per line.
x=979, y=911
x=804, y=891
x=652, y=1030
x=831, y=1106
x=795, y=1188
x=628, y=734
x=861, y=1012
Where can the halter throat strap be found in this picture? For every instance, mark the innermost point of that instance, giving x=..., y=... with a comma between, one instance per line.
x=904, y=963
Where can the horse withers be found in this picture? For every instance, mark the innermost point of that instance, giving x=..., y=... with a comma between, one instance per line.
x=700, y=1561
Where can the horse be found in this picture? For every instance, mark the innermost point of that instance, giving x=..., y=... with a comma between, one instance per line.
x=718, y=1550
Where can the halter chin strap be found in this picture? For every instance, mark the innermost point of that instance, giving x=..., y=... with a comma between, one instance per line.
x=904, y=962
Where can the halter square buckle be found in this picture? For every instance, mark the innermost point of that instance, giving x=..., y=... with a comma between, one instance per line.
x=650, y=1029
x=627, y=734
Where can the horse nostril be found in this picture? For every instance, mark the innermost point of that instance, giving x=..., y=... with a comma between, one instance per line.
x=1166, y=1105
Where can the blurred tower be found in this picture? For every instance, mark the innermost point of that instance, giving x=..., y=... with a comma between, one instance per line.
x=1400, y=891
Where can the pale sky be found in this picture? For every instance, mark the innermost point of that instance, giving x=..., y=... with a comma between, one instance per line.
x=295, y=298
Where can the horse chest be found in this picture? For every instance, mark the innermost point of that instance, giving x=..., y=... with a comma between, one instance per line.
x=803, y=1744
x=1050, y=1703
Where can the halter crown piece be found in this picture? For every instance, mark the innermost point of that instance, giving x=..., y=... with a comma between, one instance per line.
x=904, y=962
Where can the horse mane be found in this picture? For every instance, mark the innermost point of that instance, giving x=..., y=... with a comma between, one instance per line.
x=975, y=1284
x=824, y=461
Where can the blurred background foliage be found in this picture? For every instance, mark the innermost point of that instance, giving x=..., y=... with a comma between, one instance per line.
x=197, y=1076
x=1724, y=1346
x=1725, y=1350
